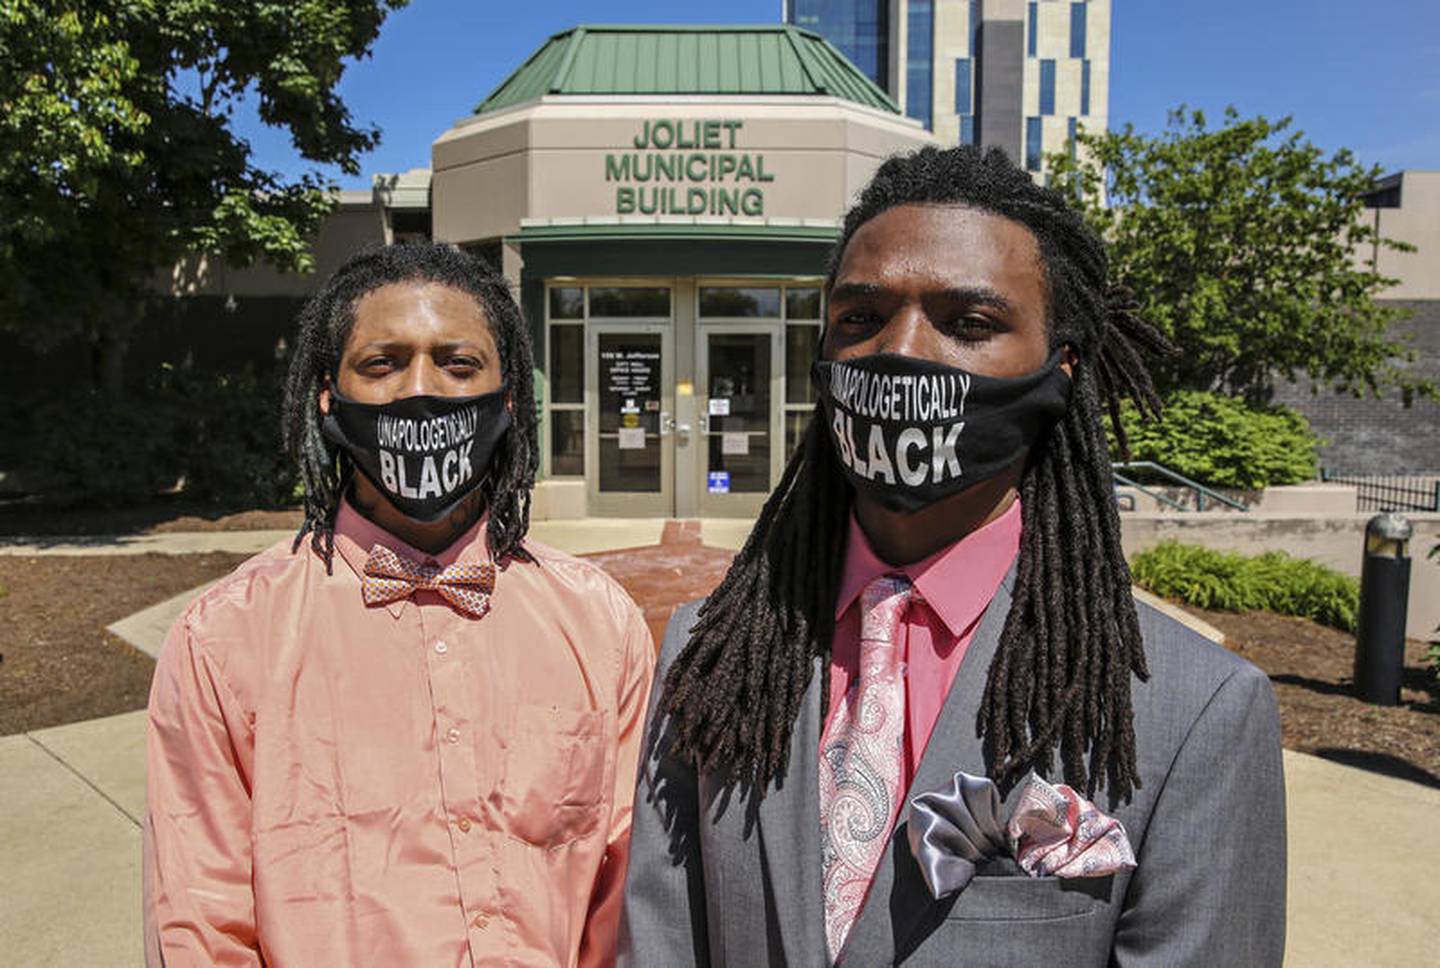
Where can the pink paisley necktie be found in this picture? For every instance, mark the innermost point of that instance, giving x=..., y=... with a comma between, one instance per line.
x=390, y=577
x=860, y=763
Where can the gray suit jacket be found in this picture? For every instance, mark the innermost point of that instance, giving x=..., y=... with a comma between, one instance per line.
x=716, y=879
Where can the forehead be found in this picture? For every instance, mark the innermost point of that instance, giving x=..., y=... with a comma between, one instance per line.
x=420, y=311
x=947, y=245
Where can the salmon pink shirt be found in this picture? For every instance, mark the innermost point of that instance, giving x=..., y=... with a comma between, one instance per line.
x=332, y=784
x=954, y=587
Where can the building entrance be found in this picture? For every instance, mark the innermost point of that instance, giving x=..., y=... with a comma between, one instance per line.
x=631, y=450
x=677, y=397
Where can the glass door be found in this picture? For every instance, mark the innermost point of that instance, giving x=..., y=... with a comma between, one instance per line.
x=632, y=452
x=739, y=384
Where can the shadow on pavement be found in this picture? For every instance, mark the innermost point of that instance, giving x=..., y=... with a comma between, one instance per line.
x=1382, y=763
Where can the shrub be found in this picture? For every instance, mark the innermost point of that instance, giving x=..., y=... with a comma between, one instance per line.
x=1221, y=441
x=1274, y=582
x=217, y=435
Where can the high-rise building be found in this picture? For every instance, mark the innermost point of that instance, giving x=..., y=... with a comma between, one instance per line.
x=1023, y=76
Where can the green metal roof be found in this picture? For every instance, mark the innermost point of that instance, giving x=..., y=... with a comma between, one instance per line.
x=684, y=59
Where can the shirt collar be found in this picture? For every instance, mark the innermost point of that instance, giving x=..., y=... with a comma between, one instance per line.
x=356, y=534
x=957, y=582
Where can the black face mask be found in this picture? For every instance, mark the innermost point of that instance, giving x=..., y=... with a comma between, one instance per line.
x=910, y=432
x=426, y=454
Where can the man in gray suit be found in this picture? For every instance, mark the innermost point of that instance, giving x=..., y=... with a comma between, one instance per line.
x=935, y=598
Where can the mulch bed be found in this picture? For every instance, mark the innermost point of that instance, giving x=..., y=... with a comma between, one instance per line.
x=60, y=665
x=1312, y=669
x=23, y=518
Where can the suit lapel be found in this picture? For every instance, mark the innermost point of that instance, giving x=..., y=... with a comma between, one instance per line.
x=899, y=905
x=788, y=823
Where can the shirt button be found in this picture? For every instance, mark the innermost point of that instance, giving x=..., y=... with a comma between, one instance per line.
x=453, y=735
x=441, y=648
x=480, y=921
x=464, y=824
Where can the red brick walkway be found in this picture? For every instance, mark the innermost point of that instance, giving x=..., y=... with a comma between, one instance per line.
x=659, y=577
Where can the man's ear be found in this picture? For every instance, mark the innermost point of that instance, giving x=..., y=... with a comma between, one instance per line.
x=324, y=398
x=1071, y=360
x=509, y=402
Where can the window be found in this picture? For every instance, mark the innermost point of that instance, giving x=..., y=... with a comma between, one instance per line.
x=1070, y=136
x=803, y=312
x=802, y=304
x=739, y=303
x=629, y=302
x=567, y=302
x=962, y=85
x=1033, y=146
x=1047, y=87
x=967, y=129
x=860, y=28
x=565, y=383
x=919, y=47
x=974, y=26
x=1032, y=29
x=567, y=364
x=1077, y=29
x=1085, y=87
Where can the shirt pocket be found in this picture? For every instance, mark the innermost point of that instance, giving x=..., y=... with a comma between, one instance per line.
x=1023, y=898
x=552, y=789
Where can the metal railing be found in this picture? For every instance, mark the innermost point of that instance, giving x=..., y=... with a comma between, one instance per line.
x=1391, y=492
x=1202, y=493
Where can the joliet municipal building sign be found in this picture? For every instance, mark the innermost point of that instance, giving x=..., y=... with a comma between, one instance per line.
x=688, y=168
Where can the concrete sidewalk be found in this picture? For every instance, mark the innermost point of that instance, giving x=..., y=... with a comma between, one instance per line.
x=73, y=797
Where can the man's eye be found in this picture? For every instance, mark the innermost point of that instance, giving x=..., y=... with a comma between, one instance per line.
x=973, y=327
x=858, y=317
x=463, y=363
x=377, y=364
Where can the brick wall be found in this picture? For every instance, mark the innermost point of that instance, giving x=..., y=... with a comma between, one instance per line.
x=1370, y=436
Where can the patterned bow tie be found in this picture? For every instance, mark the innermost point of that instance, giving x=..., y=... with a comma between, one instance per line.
x=390, y=577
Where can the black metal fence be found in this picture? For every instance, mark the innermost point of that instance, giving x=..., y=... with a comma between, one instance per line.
x=1389, y=492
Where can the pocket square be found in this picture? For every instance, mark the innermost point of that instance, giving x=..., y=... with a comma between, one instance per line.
x=1056, y=832
x=1053, y=831
x=951, y=831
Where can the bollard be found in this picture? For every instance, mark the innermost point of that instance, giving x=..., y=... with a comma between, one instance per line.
x=1384, y=595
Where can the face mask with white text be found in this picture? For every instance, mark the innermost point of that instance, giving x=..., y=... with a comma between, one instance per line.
x=910, y=432
x=426, y=454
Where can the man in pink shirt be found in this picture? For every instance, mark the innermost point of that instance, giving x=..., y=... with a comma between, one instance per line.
x=410, y=739
x=922, y=720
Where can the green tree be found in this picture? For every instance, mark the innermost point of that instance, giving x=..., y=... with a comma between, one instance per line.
x=1246, y=245
x=118, y=160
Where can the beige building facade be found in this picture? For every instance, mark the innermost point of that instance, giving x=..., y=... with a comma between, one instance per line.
x=1405, y=207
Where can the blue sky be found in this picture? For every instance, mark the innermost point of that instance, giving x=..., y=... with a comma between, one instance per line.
x=1363, y=76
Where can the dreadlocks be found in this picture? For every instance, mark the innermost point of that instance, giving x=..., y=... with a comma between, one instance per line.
x=325, y=325
x=1061, y=674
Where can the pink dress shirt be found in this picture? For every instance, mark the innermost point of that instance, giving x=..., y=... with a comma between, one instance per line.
x=334, y=784
x=956, y=584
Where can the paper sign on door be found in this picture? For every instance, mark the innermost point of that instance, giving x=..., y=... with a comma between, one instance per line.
x=736, y=444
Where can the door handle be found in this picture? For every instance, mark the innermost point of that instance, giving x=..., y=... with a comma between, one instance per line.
x=682, y=431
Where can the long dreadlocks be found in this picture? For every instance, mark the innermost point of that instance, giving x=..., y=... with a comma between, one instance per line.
x=1061, y=673
x=325, y=325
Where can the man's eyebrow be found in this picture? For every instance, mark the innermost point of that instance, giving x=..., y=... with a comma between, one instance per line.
x=971, y=295
x=855, y=290
x=966, y=295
